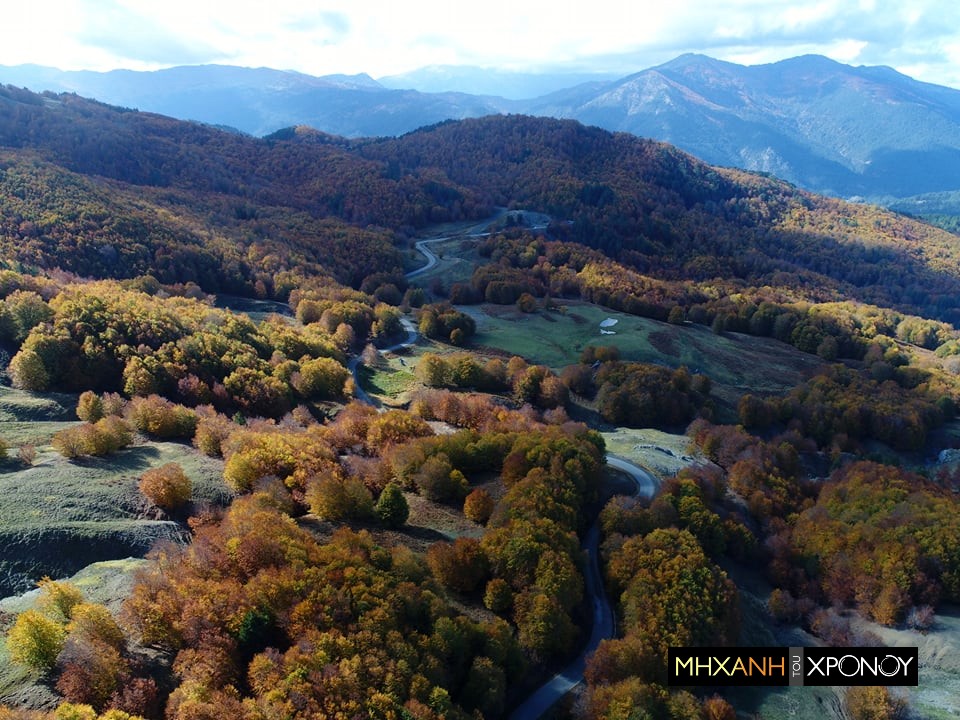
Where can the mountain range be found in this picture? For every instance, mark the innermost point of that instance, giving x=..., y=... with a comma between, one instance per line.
x=108, y=192
x=863, y=132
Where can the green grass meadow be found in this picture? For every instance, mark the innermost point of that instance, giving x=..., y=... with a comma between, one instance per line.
x=59, y=515
x=391, y=380
x=736, y=363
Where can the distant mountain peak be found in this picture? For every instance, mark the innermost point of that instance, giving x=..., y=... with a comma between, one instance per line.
x=688, y=59
x=809, y=60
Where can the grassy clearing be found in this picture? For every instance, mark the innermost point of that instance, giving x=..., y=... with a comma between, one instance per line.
x=736, y=363
x=257, y=310
x=758, y=629
x=937, y=696
x=38, y=434
x=96, y=489
x=36, y=407
x=457, y=255
x=394, y=377
x=426, y=516
x=391, y=380
x=57, y=516
x=32, y=418
x=457, y=258
x=557, y=339
x=107, y=583
x=664, y=454
x=19, y=686
x=783, y=703
x=428, y=523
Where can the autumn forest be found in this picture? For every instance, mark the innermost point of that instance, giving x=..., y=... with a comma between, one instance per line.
x=129, y=240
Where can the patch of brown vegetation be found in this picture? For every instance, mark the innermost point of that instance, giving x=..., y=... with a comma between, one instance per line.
x=490, y=351
x=507, y=312
x=664, y=343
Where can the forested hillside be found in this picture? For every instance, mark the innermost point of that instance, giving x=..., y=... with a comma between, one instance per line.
x=847, y=131
x=659, y=211
x=438, y=552
x=642, y=203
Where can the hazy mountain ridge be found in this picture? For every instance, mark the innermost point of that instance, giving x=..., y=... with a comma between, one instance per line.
x=259, y=101
x=512, y=85
x=826, y=126
x=820, y=124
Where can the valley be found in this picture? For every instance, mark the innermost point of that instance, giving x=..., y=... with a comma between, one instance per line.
x=380, y=396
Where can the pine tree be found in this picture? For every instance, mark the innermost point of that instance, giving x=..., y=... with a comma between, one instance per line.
x=392, y=508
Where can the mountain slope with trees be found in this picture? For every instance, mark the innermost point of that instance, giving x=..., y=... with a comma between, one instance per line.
x=310, y=595
x=826, y=126
x=821, y=124
x=295, y=201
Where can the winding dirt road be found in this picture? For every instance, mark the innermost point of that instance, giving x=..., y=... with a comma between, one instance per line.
x=412, y=333
x=604, y=622
x=421, y=246
x=361, y=394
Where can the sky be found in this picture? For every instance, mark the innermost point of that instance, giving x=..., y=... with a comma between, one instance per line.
x=920, y=38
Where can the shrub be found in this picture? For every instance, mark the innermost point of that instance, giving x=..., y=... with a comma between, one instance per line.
x=113, y=404
x=89, y=406
x=92, y=622
x=873, y=703
x=461, y=565
x=333, y=498
x=478, y=506
x=139, y=697
x=69, y=442
x=27, y=454
x=394, y=427
x=433, y=370
x=321, y=378
x=716, y=708
x=91, y=673
x=167, y=486
x=498, y=597
x=527, y=303
x=211, y=433
x=35, y=640
x=58, y=599
x=74, y=711
x=107, y=435
x=256, y=393
x=161, y=418
x=28, y=372
x=392, y=508
x=438, y=481
x=920, y=618
x=112, y=433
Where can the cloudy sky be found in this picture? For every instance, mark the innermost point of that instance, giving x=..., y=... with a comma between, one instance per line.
x=381, y=37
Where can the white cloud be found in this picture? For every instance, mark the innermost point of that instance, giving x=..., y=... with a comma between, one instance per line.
x=384, y=37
